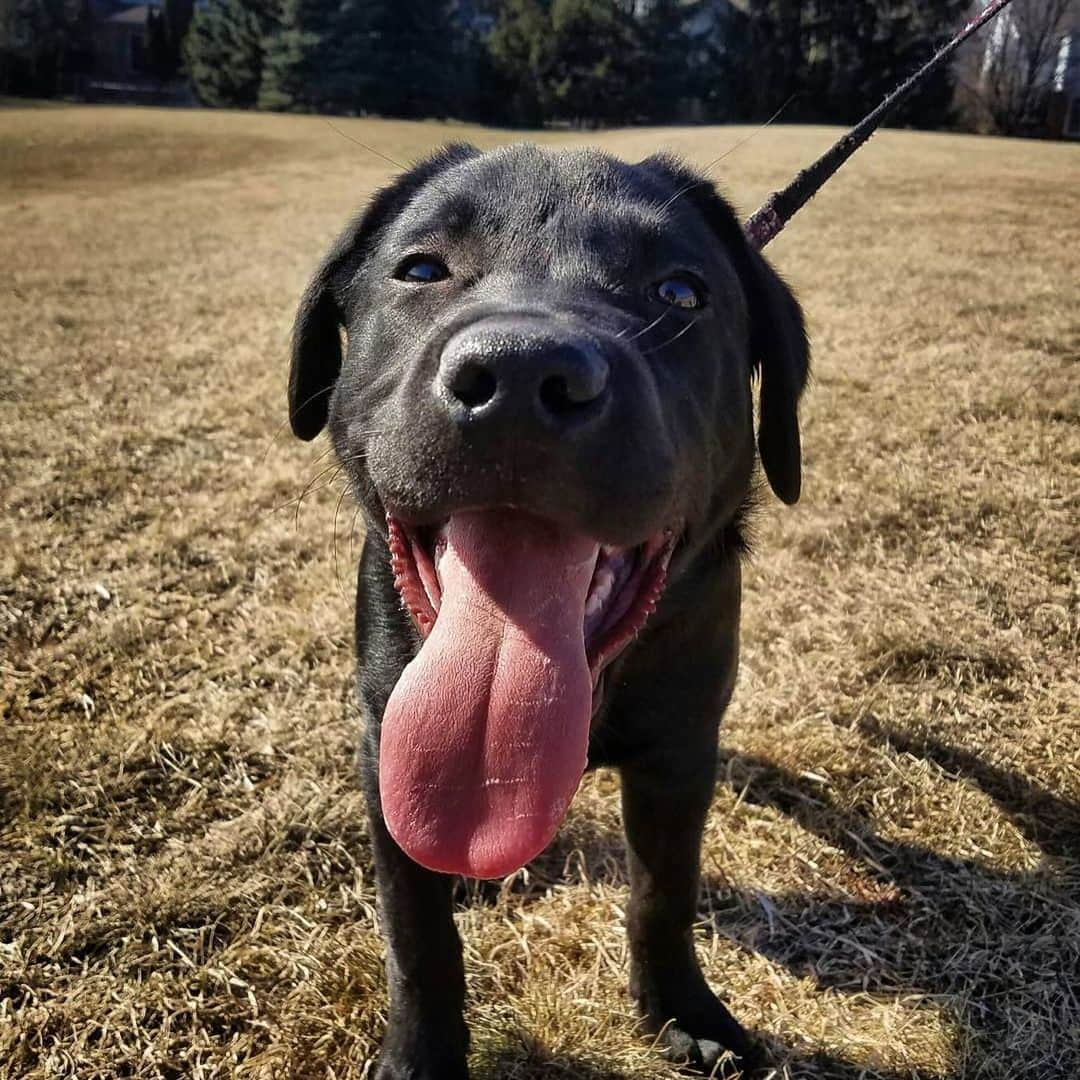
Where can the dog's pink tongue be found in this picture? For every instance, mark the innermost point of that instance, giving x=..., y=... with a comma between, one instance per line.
x=484, y=739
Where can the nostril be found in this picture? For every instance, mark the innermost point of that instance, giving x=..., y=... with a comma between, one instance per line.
x=555, y=395
x=580, y=378
x=473, y=385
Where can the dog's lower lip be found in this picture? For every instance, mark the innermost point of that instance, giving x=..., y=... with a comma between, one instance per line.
x=627, y=584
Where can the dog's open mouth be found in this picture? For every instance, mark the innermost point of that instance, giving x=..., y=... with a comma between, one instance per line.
x=485, y=737
x=625, y=586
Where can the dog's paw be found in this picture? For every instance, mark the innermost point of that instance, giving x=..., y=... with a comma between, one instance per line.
x=737, y=1058
x=695, y=1029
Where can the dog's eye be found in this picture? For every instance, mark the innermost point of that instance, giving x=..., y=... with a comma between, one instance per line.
x=680, y=292
x=422, y=270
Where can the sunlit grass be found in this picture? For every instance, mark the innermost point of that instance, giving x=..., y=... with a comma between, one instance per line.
x=892, y=884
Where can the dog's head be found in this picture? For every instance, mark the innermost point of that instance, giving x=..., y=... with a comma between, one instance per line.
x=546, y=387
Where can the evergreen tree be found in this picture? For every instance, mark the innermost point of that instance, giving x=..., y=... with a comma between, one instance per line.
x=772, y=67
x=294, y=55
x=373, y=56
x=932, y=24
x=40, y=42
x=667, y=45
x=521, y=45
x=479, y=90
x=345, y=57
x=224, y=51
x=579, y=60
x=867, y=50
x=599, y=67
x=177, y=15
x=839, y=59
x=694, y=48
x=401, y=54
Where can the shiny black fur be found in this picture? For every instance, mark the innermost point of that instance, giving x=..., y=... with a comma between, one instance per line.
x=573, y=243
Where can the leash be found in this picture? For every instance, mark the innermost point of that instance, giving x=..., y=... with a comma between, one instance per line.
x=781, y=206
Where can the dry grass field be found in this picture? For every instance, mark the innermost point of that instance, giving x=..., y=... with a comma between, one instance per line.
x=893, y=863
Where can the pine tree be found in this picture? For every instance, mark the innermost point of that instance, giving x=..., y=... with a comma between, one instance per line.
x=374, y=56
x=344, y=59
x=838, y=59
x=400, y=56
x=869, y=49
x=224, y=51
x=599, y=66
x=578, y=60
x=520, y=46
x=40, y=40
x=294, y=56
x=774, y=62
x=702, y=65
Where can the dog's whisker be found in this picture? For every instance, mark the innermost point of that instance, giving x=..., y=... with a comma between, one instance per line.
x=666, y=204
x=363, y=145
x=309, y=488
x=656, y=322
x=313, y=485
x=333, y=467
x=277, y=433
x=753, y=135
x=337, y=567
x=335, y=472
x=716, y=161
x=352, y=533
x=671, y=341
x=322, y=457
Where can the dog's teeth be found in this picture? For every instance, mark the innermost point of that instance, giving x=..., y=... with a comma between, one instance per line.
x=602, y=585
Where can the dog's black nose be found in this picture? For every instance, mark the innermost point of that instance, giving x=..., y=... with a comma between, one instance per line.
x=523, y=372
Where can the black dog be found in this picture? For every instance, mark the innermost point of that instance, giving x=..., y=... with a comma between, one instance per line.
x=545, y=411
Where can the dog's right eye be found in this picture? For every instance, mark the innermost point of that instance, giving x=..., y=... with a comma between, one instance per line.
x=422, y=270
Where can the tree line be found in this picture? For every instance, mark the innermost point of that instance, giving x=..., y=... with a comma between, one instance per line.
x=582, y=62
x=528, y=62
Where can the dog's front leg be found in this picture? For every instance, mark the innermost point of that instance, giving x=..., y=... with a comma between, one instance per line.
x=665, y=800
x=426, y=1037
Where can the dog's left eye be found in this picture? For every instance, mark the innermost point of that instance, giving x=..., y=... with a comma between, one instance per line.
x=422, y=270
x=680, y=292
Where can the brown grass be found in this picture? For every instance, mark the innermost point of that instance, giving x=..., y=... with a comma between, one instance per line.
x=893, y=863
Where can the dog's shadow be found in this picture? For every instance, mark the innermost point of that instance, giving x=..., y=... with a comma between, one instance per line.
x=920, y=935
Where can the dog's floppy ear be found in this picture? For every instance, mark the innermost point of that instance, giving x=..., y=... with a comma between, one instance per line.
x=781, y=352
x=779, y=349
x=316, y=339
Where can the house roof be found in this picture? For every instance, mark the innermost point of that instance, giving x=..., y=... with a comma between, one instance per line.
x=132, y=16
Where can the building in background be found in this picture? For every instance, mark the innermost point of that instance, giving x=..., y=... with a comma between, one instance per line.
x=1064, y=112
x=120, y=41
x=121, y=50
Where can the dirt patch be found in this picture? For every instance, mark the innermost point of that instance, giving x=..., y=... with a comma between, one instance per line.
x=34, y=161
